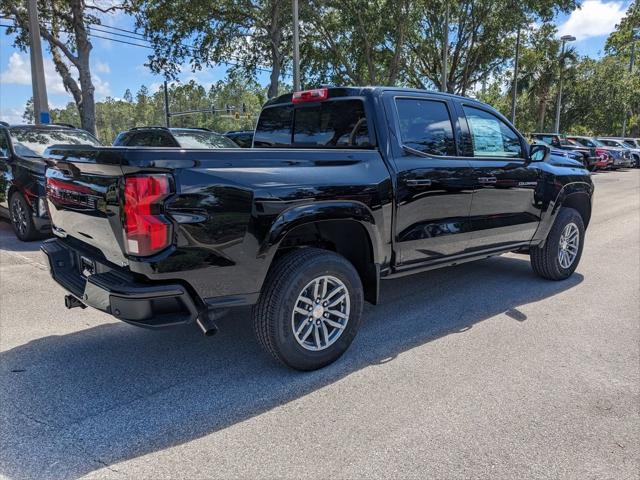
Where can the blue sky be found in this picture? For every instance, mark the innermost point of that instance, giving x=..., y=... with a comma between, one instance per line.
x=116, y=67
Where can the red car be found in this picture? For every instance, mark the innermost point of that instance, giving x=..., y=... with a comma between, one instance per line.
x=605, y=160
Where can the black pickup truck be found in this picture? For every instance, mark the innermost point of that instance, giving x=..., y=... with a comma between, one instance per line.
x=344, y=187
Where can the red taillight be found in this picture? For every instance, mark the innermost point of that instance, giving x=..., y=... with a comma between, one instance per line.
x=146, y=230
x=316, y=95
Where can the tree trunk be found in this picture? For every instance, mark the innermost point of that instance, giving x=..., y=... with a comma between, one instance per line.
x=542, y=111
x=87, y=106
x=275, y=36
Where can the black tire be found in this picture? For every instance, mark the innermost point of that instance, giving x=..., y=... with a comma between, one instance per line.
x=21, y=218
x=274, y=313
x=545, y=261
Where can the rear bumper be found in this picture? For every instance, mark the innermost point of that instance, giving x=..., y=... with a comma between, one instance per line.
x=117, y=293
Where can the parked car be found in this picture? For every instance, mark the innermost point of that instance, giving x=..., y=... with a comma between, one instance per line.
x=605, y=158
x=590, y=157
x=350, y=186
x=173, y=137
x=562, y=157
x=621, y=156
x=634, y=150
x=244, y=138
x=22, y=189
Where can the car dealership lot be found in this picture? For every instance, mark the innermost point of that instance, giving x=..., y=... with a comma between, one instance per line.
x=482, y=370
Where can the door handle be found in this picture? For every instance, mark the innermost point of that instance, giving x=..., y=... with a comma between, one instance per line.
x=487, y=180
x=419, y=182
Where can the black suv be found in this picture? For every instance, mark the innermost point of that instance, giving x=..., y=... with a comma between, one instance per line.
x=22, y=189
x=173, y=137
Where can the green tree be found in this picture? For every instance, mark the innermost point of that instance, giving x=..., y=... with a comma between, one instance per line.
x=244, y=33
x=64, y=25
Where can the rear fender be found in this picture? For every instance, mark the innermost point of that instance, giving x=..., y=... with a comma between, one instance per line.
x=318, y=212
x=327, y=211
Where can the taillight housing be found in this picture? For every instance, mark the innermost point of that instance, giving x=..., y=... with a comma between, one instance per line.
x=147, y=230
x=316, y=95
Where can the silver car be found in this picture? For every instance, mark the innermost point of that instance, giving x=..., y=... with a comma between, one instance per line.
x=632, y=144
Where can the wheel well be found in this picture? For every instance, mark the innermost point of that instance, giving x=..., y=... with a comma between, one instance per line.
x=581, y=203
x=345, y=237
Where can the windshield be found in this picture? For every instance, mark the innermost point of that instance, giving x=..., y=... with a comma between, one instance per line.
x=202, y=139
x=32, y=142
x=630, y=144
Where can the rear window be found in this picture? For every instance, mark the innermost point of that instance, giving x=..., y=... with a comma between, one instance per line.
x=335, y=124
x=32, y=142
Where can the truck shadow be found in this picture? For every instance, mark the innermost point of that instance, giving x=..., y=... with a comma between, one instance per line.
x=75, y=403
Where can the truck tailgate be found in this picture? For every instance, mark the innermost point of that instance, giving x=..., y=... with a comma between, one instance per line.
x=83, y=196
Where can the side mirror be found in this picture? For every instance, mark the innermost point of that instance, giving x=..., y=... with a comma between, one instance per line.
x=539, y=153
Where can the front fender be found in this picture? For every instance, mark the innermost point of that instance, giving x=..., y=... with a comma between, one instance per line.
x=556, y=201
x=322, y=211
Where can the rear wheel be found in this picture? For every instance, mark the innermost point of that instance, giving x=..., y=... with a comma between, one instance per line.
x=22, y=218
x=562, y=250
x=310, y=308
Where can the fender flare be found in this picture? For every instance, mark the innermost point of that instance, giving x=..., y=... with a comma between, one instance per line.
x=573, y=188
x=330, y=210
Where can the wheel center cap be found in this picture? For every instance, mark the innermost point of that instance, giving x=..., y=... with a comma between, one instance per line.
x=317, y=312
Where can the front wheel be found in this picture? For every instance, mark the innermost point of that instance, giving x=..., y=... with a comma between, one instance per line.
x=21, y=218
x=310, y=308
x=562, y=250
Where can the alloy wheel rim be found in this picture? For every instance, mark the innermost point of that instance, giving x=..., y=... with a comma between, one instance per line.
x=19, y=216
x=569, y=244
x=321, y=313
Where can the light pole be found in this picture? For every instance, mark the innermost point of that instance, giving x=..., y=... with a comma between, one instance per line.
x=514, y=95
x=40, y=103
x=445, y=48
x=296, y=48
x=635, y=34
x=565, y=39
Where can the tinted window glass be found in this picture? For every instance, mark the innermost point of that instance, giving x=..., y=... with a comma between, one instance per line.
x=203, y=139
x=339, y=124
x=425, y=125
x=151, y=139
x=274, y=127
x=491, y=137
x=4, y=145
x=32, y=142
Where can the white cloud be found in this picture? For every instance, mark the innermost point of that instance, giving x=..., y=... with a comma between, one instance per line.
x=595, y=18
x=103, y=89
x=11, y=115
x=18, y=72
x=102, y=67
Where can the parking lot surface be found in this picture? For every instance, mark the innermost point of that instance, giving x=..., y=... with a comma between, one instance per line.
x=476, y=371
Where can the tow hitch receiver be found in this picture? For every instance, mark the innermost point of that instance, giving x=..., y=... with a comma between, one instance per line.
x=72, y=302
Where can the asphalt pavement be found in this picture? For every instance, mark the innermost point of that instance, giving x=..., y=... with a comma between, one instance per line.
x=476, y=371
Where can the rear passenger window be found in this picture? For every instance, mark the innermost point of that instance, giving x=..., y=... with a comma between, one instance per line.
x=491, y=137
x=151, y=139
x=425, y=125
x=333, y=124
x=274, y=127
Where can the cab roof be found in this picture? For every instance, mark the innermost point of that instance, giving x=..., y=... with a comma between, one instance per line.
x=337, y=92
